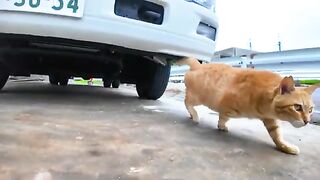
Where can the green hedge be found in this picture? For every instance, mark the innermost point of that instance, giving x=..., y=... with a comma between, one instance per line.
x=85, y=82
x=309, y=82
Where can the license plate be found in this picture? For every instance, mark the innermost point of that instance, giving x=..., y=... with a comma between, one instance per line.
x=72, y=8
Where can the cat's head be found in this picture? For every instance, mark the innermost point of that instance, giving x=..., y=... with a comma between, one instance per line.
x=292, y=104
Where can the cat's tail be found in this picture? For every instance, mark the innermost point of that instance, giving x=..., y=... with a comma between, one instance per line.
x=192, y=62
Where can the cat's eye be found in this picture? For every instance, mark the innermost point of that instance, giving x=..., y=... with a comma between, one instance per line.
x=298, y=107
x=311, y=110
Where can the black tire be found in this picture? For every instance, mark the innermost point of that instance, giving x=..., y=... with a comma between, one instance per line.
x=107, y=82
x=115, y=84
x=64, y=81
x=155, y=83
x=4, y=75
x=53, y=79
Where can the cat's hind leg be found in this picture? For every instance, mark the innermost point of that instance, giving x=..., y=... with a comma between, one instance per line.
x=274, y=131
x=190, y=107
x=222, y=123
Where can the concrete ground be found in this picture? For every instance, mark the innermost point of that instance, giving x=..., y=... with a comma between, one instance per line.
x=80, y=132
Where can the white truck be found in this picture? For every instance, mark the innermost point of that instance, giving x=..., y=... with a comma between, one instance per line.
x=120, y=41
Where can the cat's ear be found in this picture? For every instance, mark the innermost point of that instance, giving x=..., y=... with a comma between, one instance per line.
x=287, y=85
x=312, y=88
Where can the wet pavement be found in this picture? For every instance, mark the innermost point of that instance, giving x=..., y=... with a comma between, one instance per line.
x=80, y=132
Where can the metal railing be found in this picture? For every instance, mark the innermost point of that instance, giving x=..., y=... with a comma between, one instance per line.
x=301, y=64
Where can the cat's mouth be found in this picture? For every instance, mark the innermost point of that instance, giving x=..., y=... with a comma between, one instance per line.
x=297, y=124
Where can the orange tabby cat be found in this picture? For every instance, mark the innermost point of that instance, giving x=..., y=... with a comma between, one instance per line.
x=235, y=92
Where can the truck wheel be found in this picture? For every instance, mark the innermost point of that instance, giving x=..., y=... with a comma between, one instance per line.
x=53, y=79
x=115, y=84
x=64, y=81
x=4, y=75
x=156, y=81
x=107, y=82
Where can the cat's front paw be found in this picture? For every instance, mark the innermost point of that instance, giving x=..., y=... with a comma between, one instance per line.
x=289, y=148
x=195, y=119
x=223, y=128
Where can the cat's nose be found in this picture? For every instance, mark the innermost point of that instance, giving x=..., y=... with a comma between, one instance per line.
x=305, y=122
